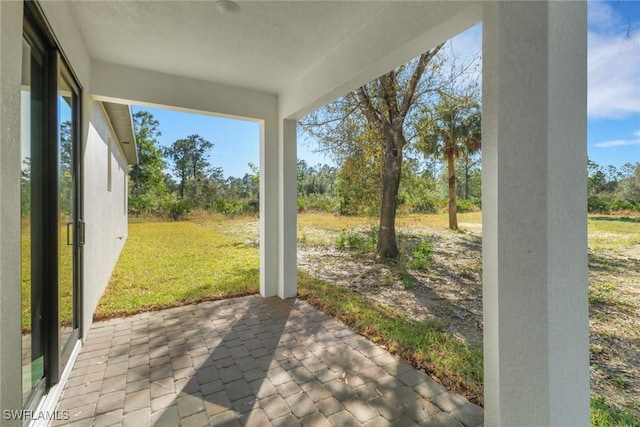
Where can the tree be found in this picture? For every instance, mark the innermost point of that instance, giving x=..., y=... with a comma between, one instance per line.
x=451, y=129
x=254, y=180
x=148, y=175
x=190, y=159
x=469, y=173
x=629, y=189
x=66, y=169
x=316, y=186
x=302, y=177
x=418, y=188
x=378, y=112
x=146, y=179
x=25, y=188
x=360, y=177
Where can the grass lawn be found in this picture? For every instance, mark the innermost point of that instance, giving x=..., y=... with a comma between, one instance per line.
x=167, y=264
x=65, y=273
x=614, y=319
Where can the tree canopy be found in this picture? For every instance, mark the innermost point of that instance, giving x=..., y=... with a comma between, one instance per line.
x=450, y=129
x=190, y=160
x=366, y=130
x=371, y=131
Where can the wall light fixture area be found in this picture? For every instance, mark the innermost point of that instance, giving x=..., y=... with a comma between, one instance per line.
x=227, y=6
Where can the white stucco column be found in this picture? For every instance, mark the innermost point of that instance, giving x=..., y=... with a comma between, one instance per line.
x=269, y=210
x=288, y=192
x=534, y=214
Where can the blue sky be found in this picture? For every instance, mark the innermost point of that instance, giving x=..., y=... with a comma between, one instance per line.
x=235, y=142
x=613, y=99
x=614, y=82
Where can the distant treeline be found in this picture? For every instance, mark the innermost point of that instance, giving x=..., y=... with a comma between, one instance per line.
x=193, y=183
x=612, y=189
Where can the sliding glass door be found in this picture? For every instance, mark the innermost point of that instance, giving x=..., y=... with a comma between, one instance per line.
x=50, y=211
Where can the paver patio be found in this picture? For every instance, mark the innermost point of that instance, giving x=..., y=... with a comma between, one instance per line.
x=249, y=362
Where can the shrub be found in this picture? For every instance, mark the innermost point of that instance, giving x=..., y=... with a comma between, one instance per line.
x=145, y=204
x=623, y=205
x=176, y=210
x=357, y=241
x=422, y=256
x=463, y=205
x=317, y=203
x=429, y=206
x=252, y=206
x=227, y=207
x=236, y=207
x=596, y=204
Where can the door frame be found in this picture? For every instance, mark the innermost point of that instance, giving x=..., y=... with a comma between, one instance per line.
x=64, y=71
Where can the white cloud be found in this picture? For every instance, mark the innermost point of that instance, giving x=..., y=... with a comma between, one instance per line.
x=620, y=142
x=613, y=64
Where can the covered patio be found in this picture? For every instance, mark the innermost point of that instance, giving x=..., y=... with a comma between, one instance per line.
x=273, y=62
x=248, y=361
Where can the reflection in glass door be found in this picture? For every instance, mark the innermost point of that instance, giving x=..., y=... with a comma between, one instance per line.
x=67, y=175
x=32, y=221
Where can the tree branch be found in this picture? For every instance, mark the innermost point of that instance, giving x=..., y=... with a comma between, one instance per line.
x=407, y=100
x=387, y=82
x=367, y=107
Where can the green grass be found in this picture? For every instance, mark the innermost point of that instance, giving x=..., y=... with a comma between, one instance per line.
x=424, y=344
x=361, y=243
x=25, y=285
x=605, y=415
x=166, y=264
x=602, y=293
x=613, y=232
x=169, y=264
x=65, y=273
x=422, y=256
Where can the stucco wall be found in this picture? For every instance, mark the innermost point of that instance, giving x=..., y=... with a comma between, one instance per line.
x=10, y=338
x=104, y=207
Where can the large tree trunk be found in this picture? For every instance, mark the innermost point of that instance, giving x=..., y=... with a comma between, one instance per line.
x=387, y=245
x=453, y=215
x=389, y=118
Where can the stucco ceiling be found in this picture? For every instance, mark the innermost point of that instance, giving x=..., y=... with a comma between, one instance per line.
x=266, y=46
x=263, y=47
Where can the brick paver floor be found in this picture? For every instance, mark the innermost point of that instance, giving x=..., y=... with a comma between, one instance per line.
x=249, y=362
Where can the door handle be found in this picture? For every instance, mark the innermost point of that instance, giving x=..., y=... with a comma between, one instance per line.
x=69, y=234
x=81, y=239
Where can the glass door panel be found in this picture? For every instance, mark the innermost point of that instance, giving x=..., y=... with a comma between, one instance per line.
x=67, y=174
x=32, y=220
